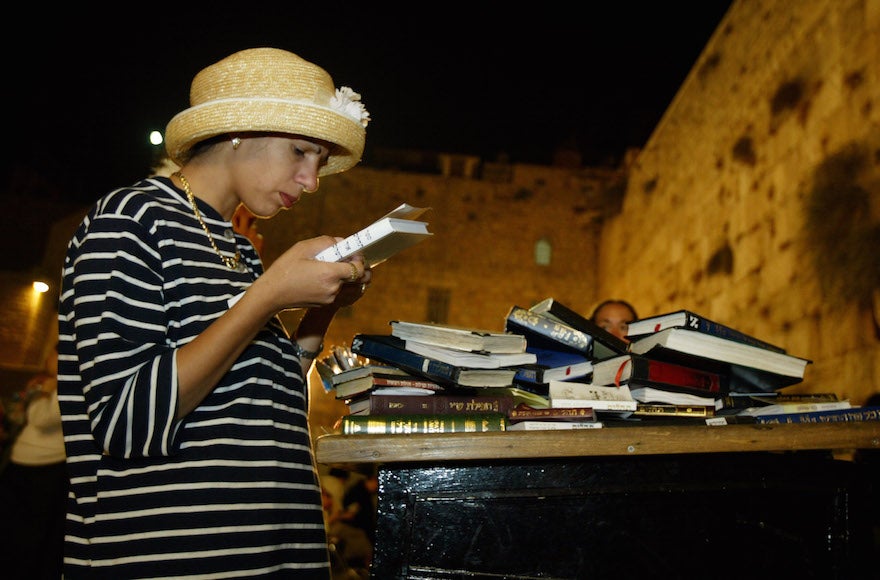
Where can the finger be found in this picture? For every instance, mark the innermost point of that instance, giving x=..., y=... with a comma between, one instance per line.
x=354, y=272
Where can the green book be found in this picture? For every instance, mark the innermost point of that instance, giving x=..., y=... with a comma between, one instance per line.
x=434, y=423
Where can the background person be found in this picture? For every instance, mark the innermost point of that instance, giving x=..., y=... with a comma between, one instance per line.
x=614, y=315
x=183, y=397
x=34, y=483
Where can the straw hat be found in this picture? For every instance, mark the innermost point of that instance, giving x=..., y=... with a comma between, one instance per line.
x=271, y=90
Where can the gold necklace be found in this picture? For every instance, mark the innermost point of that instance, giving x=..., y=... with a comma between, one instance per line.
x=231, y=263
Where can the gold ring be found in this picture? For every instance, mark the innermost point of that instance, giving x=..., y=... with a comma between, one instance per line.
x=354, y=272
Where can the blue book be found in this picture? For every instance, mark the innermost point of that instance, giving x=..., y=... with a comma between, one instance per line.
x=829, y=416
x=693, y=321
x=553, y=365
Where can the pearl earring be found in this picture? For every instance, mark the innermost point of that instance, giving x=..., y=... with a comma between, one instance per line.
x=236, y=142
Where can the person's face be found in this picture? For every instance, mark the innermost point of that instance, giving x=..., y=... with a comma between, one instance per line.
x=615, y=318
x=276, y=170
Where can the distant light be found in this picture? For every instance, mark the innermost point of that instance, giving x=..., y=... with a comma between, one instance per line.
x=156, y=138
x=40, y=287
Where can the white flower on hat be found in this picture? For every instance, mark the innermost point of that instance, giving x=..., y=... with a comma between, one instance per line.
x=349, y=103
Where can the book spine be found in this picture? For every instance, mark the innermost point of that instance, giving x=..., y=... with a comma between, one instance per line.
x=747, y=400
x=707, y=326
x=553, y=413
x=438, y=404
x=404, y=359
x=530, y=375
x=341, y=392
x=531, y=324
x=831, y=416
x=648, y=409
x=554, y=425
x=436, y=423
x=660, y=373
x=595, y=404
x=414, y=383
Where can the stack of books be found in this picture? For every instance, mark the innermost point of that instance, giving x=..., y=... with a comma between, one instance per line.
x=552, y=368
x=473, y=369
x=681, y=365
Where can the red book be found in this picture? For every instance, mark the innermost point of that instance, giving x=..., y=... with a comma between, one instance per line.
x=638, y=370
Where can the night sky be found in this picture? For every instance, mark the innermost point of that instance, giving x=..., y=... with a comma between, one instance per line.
x=452, y=77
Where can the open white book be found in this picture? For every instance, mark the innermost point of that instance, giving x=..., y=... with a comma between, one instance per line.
x=567, y=394
x=469, y=359
x=390, y=234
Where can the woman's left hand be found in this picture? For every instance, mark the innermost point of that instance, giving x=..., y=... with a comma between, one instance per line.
x=351, y=292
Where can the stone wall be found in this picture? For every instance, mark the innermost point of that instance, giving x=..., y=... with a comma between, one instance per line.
x=756, y=202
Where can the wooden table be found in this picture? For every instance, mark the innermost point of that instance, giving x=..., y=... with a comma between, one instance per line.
x=648, y=502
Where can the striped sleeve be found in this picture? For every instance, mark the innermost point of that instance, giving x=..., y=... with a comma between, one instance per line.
x=128, y=369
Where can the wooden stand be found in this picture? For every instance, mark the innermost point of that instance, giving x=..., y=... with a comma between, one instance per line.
x=647, y=502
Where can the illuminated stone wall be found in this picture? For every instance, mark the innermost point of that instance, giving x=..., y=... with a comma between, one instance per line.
x=756, y=202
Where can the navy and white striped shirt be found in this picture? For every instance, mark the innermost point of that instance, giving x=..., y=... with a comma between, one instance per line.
x=229, y=491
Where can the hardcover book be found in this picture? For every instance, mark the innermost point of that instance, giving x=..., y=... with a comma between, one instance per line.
x=734, y=403
x=552, y=365
x=391, y=350
x=521, y=397
x=831, y=416
x=794, y=407
x=370, y=383
x=522, y=413
x=639, y=370
x=542, y=331
x=409, y=424
x=749, y=368
x=474, y=360
x=656, y=395
x=597, y=397
x=668, y=410
x=605, y=344
x=693, y=321
x=459, y=338
x=553, y=425
x=390, y=234
x=367, y=370
x=389, y=403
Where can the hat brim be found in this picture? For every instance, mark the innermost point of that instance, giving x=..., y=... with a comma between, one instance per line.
x=210, y=119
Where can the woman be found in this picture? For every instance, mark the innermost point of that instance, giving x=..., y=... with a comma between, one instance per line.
x=182, y=395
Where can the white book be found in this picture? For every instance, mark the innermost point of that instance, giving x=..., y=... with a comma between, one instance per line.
x=786, y=408
x=471, y=360
x=567, y=394
x=390, y=234
x=552, y=425
x=653, y=395
x=699, y=344
x=459, y=337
